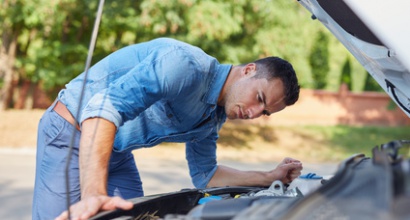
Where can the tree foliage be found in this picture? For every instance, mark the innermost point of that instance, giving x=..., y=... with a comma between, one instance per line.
x=319, y=60
x=346, y=76
x=45, y=42
x=372, y=85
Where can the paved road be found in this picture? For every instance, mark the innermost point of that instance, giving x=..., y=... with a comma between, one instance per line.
x=159, y=175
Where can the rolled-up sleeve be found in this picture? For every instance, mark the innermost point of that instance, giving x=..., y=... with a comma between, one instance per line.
x=201, y=157
x=104, y=110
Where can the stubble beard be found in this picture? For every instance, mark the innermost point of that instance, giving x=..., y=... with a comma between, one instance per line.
x=231, y=109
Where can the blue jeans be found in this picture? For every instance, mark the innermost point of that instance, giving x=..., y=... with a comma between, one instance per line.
x=53, y=141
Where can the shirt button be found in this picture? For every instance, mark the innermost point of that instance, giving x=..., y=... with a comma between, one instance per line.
x=170, y=115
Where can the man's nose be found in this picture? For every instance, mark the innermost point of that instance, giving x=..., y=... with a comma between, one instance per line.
x=256, y=111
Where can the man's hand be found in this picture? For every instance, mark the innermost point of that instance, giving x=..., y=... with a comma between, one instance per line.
x=288, y=170
x=90, y=206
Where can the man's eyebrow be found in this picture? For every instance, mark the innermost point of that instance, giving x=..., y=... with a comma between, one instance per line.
x=264, y=102
x=263, y=98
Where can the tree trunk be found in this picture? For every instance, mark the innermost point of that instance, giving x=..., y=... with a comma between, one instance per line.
x=7, y=59
x=23, y=95
x=40, y=98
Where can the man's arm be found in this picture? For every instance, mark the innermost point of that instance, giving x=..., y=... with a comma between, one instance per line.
x=97, y=138
x=286, y=171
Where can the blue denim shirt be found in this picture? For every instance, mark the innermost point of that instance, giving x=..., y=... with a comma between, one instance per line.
x=163, y=90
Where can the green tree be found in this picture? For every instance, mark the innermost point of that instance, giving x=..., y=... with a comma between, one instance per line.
x=346, y=76
x=11, y=22
x=372, y=85
x=45, y=42
x=319, y=60
x=41, y=43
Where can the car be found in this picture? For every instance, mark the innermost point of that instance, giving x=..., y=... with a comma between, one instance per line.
x=364, y=187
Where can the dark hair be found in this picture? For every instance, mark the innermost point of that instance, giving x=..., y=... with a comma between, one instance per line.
x=275, y=67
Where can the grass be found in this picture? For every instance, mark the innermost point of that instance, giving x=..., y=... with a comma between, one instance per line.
x=351, y=140
x=311, y=143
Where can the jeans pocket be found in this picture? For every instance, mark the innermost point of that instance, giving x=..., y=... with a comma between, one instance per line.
x=51, y=126
x=57, y=131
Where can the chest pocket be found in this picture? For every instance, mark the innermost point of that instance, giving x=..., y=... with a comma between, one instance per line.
x=162, y=114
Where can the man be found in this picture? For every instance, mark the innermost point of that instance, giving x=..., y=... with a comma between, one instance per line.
x=140, y=96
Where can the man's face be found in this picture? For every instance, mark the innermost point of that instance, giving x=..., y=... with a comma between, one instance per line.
x=250, y=98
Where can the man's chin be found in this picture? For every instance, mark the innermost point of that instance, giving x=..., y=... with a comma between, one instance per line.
x=233, y=118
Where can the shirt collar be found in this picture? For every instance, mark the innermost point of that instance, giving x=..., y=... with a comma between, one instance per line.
x=220, y=75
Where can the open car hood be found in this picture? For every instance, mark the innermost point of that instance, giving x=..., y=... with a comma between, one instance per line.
x=376, y=33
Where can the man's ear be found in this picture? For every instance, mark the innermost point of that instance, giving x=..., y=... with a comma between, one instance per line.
x=249, y=68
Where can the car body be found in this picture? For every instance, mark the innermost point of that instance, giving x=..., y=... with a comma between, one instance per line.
x=376, y=187
x=375, y=36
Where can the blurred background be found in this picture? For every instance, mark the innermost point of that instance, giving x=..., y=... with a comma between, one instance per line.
x=44, y=44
